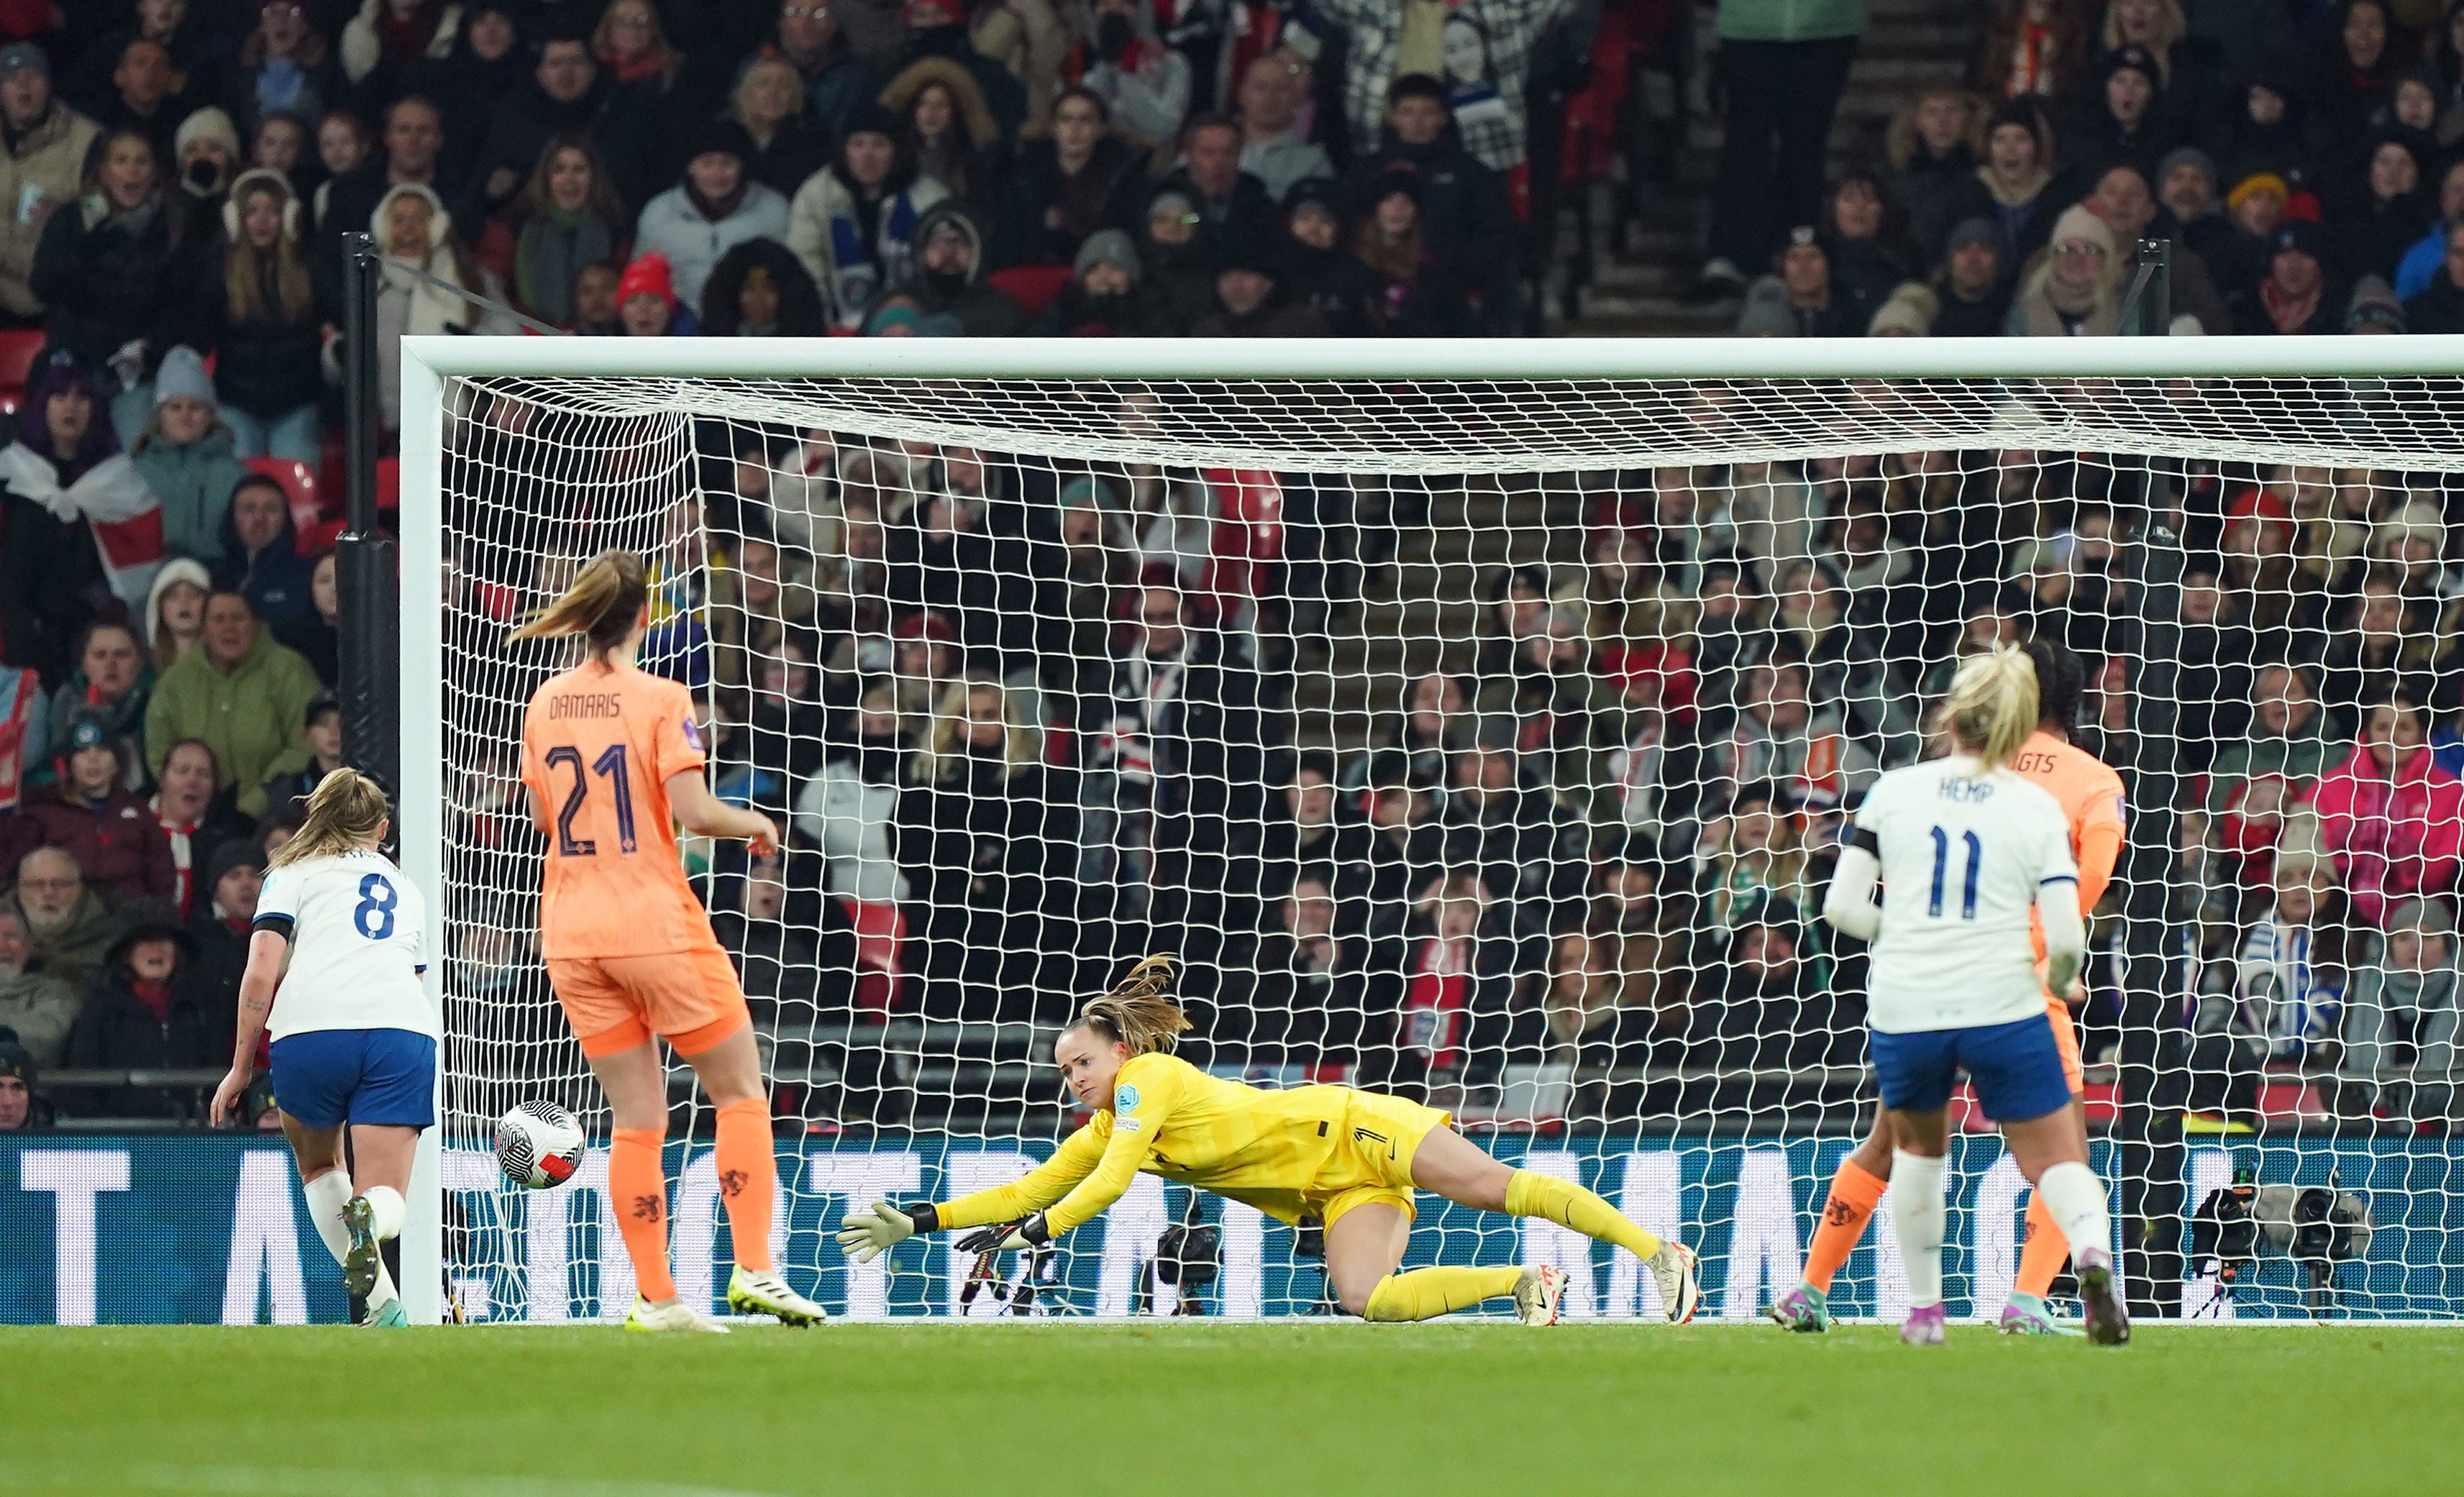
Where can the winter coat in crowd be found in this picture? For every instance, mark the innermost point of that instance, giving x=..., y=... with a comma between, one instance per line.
x=194, y=485
x=694, y=232
x=132, y=1025
x=988, y=851
x=76, y=532
x=275, y=577
x=41, y=1009
x=2404, y=1022
x=2395, y=835
x=266, y=325
x=305, y=84
x=115, y=841
x=72, y=951
x=107, y=276
x=40, y=172
x=624, y=125
x=250, y=715
x=1043, y=214
x=982, y=311
x=856, y=243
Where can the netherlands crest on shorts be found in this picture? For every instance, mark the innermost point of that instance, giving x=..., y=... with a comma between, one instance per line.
x=1125, y=1100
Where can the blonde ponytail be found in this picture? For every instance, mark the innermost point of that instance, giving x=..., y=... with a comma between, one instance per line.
x=1137, y=1012
x=603, y=604
x=344, y=811
x=1993, y=704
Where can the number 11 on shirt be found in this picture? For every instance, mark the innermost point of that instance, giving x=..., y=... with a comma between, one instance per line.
x=1942, y=865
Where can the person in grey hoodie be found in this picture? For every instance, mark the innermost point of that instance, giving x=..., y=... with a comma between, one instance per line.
x=2401, y=1020
x=185, y=456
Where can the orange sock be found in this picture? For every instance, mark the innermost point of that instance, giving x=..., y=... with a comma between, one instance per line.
x=748, y=1176
x=1855, y=1191
x=2046, y=1250
x=639, y=1189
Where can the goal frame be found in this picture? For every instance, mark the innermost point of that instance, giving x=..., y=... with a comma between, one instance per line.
x=429, y=361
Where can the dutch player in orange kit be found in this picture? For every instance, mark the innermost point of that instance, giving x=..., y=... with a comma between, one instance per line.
x=2091, y=798
x=614, y=759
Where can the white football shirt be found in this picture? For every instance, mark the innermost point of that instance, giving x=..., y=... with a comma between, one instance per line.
x=359, y=938
x=1963, y=857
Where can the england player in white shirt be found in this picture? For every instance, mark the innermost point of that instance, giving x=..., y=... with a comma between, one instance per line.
x=1965, y=848
x=354, y=1035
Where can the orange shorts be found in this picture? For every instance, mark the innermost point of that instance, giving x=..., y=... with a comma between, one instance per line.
x=617, y=1002
x=2066, y=1041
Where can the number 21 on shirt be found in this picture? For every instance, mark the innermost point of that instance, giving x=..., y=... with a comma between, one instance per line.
x=611, y=767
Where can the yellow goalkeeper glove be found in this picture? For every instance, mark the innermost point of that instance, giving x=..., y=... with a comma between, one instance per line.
x=866, y=1234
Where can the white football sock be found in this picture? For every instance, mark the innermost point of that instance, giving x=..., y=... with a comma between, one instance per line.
x=384, y=1290
x=327, y=1195
x=2076, y=1197
x=384, y=1211
x=1916, y=1215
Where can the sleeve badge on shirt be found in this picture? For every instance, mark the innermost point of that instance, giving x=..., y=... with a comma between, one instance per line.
x=692, y=734
x=1125, y=1100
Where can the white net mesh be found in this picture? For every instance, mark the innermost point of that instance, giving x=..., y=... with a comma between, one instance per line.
x=1488, y=742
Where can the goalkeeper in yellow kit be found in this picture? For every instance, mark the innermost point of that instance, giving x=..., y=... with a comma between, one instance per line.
x=1347, y=1158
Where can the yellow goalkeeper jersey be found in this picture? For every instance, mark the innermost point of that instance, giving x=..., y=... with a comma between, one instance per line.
x=1287, y=1152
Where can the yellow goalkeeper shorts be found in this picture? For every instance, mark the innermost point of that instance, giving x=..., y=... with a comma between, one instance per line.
x=1372, y=1164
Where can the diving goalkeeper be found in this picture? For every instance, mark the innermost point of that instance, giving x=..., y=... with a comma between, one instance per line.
x=1347, y=1158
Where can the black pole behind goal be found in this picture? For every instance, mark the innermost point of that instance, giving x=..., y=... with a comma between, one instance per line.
x=365, y=570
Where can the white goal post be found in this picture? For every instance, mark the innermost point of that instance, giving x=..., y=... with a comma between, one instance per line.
x=1632, y=455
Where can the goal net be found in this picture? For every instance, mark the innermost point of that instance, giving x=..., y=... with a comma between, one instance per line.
x=1479, y=723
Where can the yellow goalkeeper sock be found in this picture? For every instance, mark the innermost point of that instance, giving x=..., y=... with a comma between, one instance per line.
x=1568, y=1204
x=1426, y=1293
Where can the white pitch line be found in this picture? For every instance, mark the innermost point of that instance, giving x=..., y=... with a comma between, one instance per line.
x=288, y=1482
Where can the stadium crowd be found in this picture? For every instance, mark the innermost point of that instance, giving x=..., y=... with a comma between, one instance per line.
x=1022, y=719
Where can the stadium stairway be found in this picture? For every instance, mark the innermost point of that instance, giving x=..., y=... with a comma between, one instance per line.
x=1640, y=287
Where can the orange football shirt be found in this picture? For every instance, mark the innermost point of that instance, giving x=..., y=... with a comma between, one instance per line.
x=2090, y=795
x=599, y=745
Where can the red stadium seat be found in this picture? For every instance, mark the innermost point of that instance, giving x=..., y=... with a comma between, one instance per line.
x=388, y=483
x=299, y=485
x=1032, y=287
x=18, y=348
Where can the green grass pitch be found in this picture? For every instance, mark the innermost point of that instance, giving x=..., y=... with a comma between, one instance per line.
x=1161, y=1410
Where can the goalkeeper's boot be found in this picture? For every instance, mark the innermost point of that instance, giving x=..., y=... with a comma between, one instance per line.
x=674, y=1315
x=766, y=1293
x=365, y=1254
x=385, y=1317
x=1804, y=1307
x=2027, y=1315
x=2108, y=1322
x=1537, y=1293
x=1672, y=1270
x=1926, y=1327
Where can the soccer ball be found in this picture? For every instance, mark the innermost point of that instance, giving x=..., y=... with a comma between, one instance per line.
x=538, y=1145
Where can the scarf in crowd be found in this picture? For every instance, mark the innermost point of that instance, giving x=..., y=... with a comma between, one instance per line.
x=407, y=39
x=2289, y=314
x=2032, y=61
x=112, y=501
x=640, y=67
x=550, y=252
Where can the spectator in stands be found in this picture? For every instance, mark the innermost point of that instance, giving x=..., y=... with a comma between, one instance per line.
x=2383, y=209
x=299, y=772
x=315, y=632
x=947, y=279
x=1272, y=149
x=192, y=815
x=987, y=843
x=769, y=105
x=947, y=128
x=848, y=806
x=2426, y=256
x=68, y=925
x=2034, y=48
x=2076, y=292
x=415, y=232
x=20, y=1109
x=2186, y=187
x=144, y=1012
x=2359, y=51
x=1308, y=986
x=218, y=927
x=387, y=39
x=344, y=144
x=1866, y=254
x=1106, y=297
x=1787, y=736
x=1800, y=299
x=175, y=611
x=242, y=695
x=185, y=456
x=1935, y=144
x=204, y=158
x=1231, y=204
x=1458, y=979
x=112, y=678
x=853, y=225
x=2390, y=817
x=2382, y=644
x=43, y=150
x=1462, y=200
x=283, y=68
x=2402, y=1017
x=77, y=527
x=714, y=209
x=2017, y=186
x=1973, y=295
x=2297, y=294
x=142, y=98
x=631, y=47
x=1061, y=189
x=2291, y=971
x=1784, y=67
x=836, y=83
x=414, y=134
x=120, y=272
x=93, y=817
x=262, y=551
x=1315, y=270
x=1777, y=1009
x=936, y=29
x=2122, y=121
x=759, y=290
x=36, y=1006
x=567, y=216
x=1145, y=85
x=1172, y=264
x=1248, y=303
x=2439, y=308
x=266, y=327
x=568, y=92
